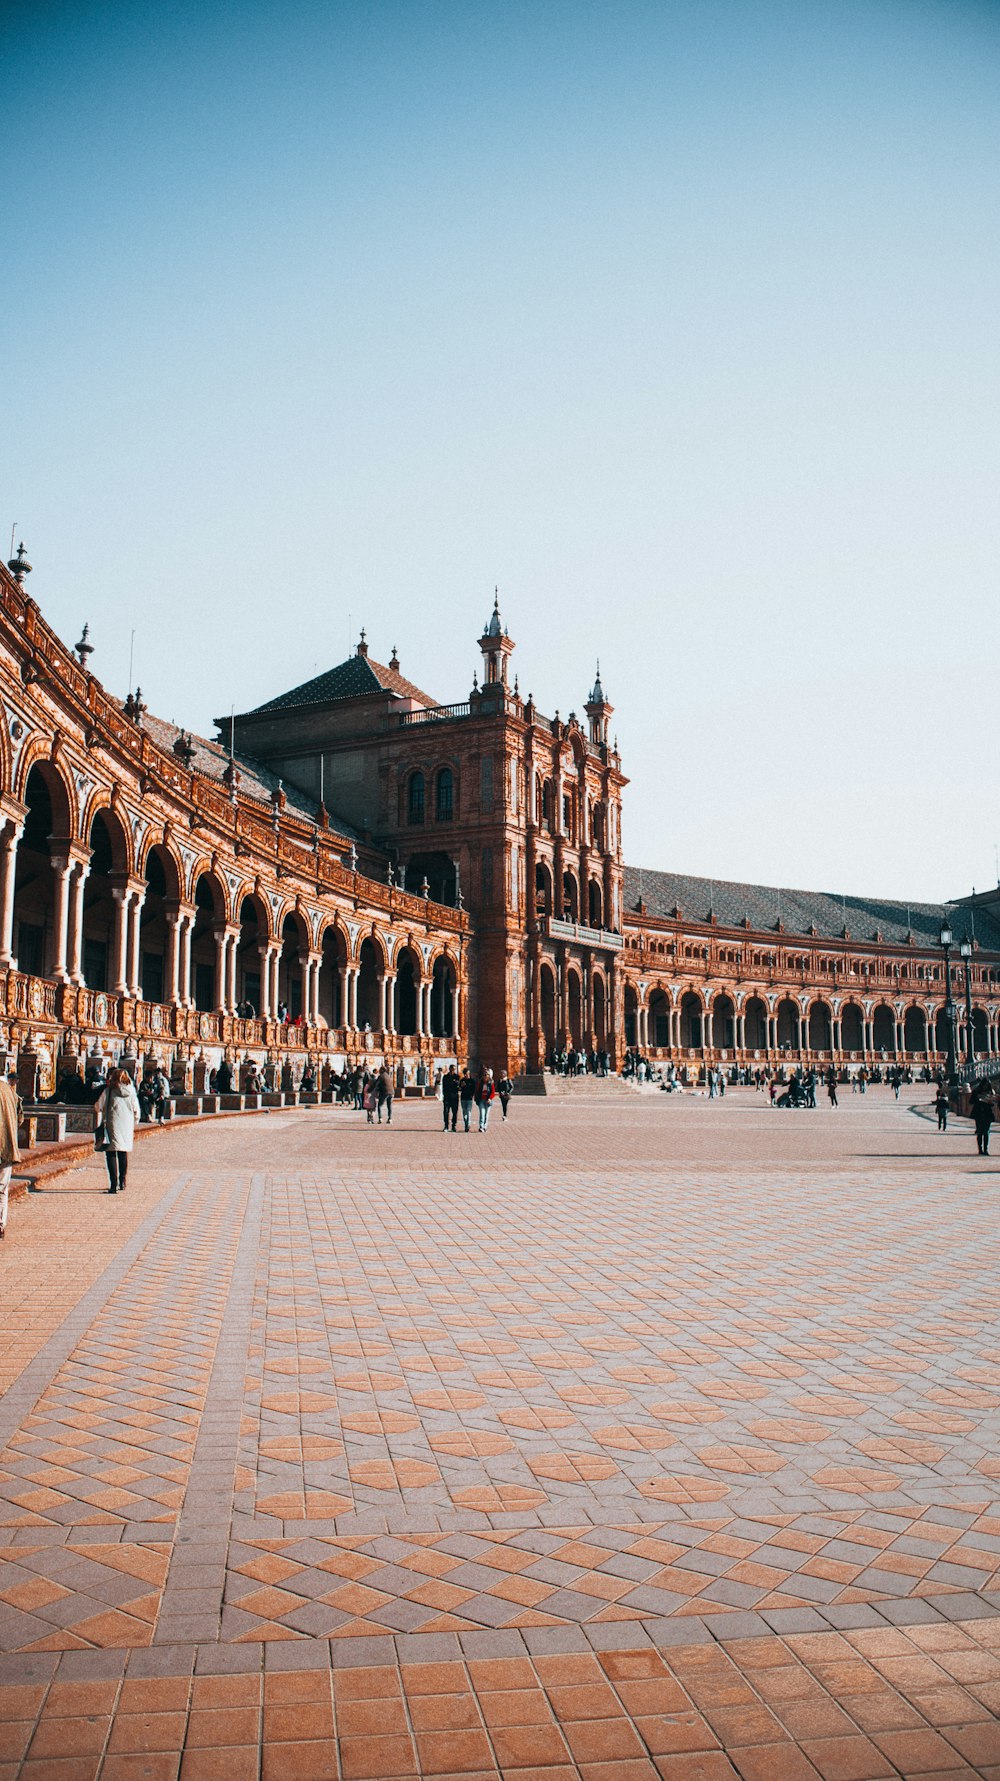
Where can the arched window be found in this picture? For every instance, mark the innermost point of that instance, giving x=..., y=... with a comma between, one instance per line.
x=445, y=804
x=416, y=798
x=547, y=804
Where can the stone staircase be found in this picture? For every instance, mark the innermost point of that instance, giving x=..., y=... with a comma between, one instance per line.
x=600, y=1087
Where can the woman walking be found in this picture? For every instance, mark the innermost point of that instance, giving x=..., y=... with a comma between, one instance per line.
x=9, y=1153
x=117, y=1111
x=485, y=1092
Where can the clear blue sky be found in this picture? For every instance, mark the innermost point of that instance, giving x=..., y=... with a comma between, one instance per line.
x=680, y=322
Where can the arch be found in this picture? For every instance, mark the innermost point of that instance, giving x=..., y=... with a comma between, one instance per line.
x=755, y=1024
x=915, y=1030
x=443, y=982
x=292, y=963
x=600, y=996
x=723, y=1022
x=659, y=1020
x=787, y=1013
x=444, y=795
x=415, y=799
x=574, y=1008
x=371, y=967
x=595, y=904
x=884, y=1028
x=46, y=822
x=631, y=1016
x=547, y=997
x=333, y=965
x=941, y=1031
x=980, y=1030
x=441, y=874
x=406, y=990
x=108, y=841
x=255, y=934
x=36, y=763
x=543, y=889
x=692, y=1020
x=163, y=882
x=820, y=1027
x=570, y=897
x=210, y=914
x=852, y=1028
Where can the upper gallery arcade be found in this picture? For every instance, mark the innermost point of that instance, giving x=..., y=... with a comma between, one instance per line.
x=396, y=875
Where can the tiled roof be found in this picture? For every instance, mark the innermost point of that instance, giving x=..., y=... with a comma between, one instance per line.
x=349, y=680
x=765, y=905
x=256, y=780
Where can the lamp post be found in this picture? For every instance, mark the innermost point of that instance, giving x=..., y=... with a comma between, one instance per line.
x=949, y=1006
x=970, y=1056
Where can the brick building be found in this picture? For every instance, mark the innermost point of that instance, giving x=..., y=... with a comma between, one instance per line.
x=409, y=878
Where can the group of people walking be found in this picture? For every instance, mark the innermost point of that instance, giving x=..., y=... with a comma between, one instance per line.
x=467, y=1091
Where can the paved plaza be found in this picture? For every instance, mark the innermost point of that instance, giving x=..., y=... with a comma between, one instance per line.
x=640, y=1436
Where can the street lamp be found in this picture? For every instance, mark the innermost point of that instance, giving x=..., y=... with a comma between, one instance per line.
x=970, y=1057
x=949, y=1006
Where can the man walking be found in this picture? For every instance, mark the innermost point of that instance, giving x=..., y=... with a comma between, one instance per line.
x=449, y=1098
x=982, y=1117
x=383, y=1094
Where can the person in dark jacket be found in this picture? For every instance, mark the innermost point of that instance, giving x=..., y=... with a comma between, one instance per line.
x=383, y=1093
x=983, y=1109
x=467, y=1094
x=449, y=1098
x=505, y=1088
x=941, y=1107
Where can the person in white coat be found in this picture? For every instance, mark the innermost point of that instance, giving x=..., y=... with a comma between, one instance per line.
x=117, y=1110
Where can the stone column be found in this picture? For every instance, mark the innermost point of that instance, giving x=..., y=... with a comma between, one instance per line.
x=8, y=872
x=119, y=942
x=172, y=960
x=231, y=996
x=453, y=998
x=315, y=964
x=837, y=1033
x=741, y=1031
x=264, y=955
x=187, y=932
x=219, y=986
x=81, y=872
x=136, y=901
x=61, y=869
x=352, y=998
x=389, y=1022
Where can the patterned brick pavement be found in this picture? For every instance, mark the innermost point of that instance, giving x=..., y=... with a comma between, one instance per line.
x=639, y=1437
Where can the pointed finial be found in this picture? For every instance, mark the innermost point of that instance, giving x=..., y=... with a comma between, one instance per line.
x=363, y=644
x=19, y=565
x=394, y=659
x=85, y=648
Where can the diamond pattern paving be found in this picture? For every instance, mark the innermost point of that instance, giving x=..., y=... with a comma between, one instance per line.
x=649, y=1440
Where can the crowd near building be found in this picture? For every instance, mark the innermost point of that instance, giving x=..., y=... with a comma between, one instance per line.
x=354, y=872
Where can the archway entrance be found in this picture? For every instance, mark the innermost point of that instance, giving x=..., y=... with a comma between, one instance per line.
x=852, y=1031
x=691, y=1021
x=547, y=988
x=631, y=1017
x=820, y=1028
x=253, y=937
x=788, y=1025
x=574, y=996
x=915, y=1030
x=980, y=1031
x=755, y=1024
x=405, y=993
x=162, y=885
x=600, y=1013
x=442, y=999
x=723, y=1023
x=331, y=977
x=659, y=1020
x=884, y=1029
x=370, y=969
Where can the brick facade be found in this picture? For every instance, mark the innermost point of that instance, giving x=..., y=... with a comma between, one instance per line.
x=468, y=898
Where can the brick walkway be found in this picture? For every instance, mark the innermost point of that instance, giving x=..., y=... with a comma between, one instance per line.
x=639, y=1437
